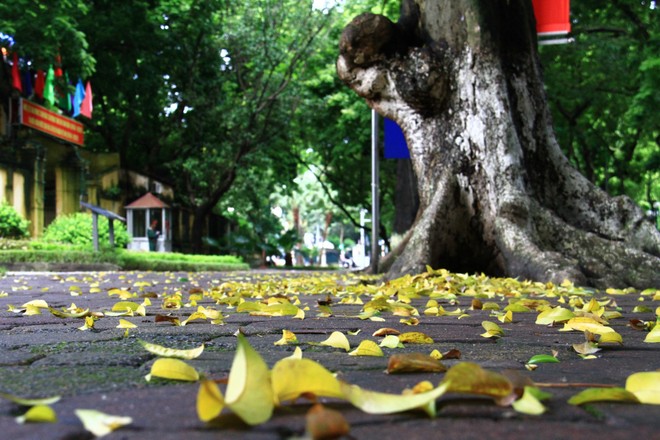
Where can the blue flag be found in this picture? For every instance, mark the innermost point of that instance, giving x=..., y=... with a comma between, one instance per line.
x=78, y=97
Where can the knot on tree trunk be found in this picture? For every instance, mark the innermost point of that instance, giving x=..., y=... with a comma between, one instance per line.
x=367, y=39
x=382, y=60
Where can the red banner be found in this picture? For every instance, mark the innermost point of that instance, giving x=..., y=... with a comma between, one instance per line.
x=40, y=118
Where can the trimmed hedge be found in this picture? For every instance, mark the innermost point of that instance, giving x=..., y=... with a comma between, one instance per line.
x=126, y=260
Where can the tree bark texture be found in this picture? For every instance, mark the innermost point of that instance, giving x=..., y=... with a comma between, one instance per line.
x=463, y=80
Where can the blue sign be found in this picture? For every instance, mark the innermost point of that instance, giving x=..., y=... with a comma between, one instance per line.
x=395, y=143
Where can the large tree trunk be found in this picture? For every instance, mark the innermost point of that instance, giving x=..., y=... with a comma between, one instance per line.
x=462, y=79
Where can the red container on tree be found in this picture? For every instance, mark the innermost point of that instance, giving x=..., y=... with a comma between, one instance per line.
x=552, y=16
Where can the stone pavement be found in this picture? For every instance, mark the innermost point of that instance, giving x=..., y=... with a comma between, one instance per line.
x=100, y=369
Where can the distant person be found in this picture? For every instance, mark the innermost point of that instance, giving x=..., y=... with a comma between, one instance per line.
x=152, y=234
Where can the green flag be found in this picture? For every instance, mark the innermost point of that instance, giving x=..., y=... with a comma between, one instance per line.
x=49, y=88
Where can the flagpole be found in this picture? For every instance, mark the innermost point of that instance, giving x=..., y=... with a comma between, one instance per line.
x=375, y=211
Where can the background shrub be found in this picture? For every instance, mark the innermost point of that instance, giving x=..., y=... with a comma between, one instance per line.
x=12, y=225
x=76, y=229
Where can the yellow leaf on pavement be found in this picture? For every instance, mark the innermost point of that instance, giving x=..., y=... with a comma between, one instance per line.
x=602, y=395
x=30, y=401
x=288, y=337
x=367, y=348
x=586, y=324
x=391, y=341
x=645, y=386
x=38, y=303
x=654, y=335
x=468, y=377
x=292, y=378
x=172, y=352
x=555, y=315
x=373, y=402
x=337, y=340
x=249, y=391
x=415, y=338
x=174, y=369
x=528, y=404
x=99, y=423
x=210, y=401
x=126, y=324
x=506, y=318
x=38, y=414
x=492, y=330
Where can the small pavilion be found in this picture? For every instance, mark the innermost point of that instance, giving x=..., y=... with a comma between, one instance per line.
x=139, y=215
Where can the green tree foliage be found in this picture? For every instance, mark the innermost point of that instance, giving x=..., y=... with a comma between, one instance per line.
x=194, y=90
x=76, y=229
x=42, y=30
x=603, y=91
x=334, y=129
x=12, y=225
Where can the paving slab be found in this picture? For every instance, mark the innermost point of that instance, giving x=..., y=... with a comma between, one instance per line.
x=103, y=369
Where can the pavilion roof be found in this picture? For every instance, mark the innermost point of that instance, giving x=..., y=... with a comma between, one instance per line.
x=147, y=201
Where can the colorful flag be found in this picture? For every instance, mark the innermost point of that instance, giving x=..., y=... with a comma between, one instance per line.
x=28, y=75
x=78, y=97
x=64, y=101
x=49, y=88
x=39, y=84
x=16, y=75
x=86, y=106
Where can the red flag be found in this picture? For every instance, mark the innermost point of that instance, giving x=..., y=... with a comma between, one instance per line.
x=86, y=106
x=40, y=84
x=58, y=66
x=16, y=75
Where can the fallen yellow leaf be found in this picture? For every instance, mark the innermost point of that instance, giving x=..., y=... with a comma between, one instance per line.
x=415, y=338
x=174, y=369
x=288, y=337
x=30, y=401
x=337, y=340
x=602, y=395
x=654, y=335
x=645, y=386
x=126, y=324
x=292, y=378
x=373, y=402
x=367, y=348
x=159, y=350
x=209, y=401
x=492, y=330
x=468, y=377
x=528, y=403
x=249, y=391
x=99, y=423
x=391, y=341
x=38, y=414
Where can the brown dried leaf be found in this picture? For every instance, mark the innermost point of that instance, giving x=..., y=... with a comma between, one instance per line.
x=323, y=423
x=414, y=363
x=166, y=318
x=384, y=331
x=452, y=354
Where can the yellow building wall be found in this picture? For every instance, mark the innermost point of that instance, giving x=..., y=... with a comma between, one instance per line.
x=18, y=193
x=4, y=197
x=67, y=190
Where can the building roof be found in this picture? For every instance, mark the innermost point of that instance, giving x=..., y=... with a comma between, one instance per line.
x=147, y=201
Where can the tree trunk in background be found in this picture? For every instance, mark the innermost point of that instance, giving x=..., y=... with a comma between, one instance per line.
x=462, y=79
